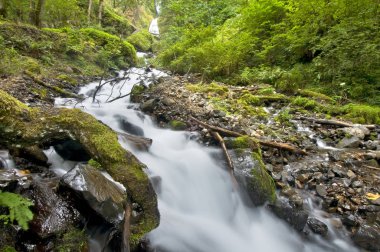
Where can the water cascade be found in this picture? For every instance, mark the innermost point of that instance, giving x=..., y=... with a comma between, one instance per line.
x=200, y=209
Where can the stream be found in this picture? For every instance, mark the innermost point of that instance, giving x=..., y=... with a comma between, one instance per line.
x=200, y=208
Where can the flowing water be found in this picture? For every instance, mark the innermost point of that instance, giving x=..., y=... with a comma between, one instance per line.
x=199, y=207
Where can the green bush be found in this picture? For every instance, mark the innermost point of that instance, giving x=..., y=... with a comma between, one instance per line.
x=18, y=208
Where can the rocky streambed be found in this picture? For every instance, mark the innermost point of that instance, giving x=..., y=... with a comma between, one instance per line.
x=332, y=190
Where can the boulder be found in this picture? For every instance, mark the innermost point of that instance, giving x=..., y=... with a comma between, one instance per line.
x=294, y=216
x=358, y=131
x=317, y=226
x=349, y=142
x=368, y=237
x=129, y=127
x=250, y=173
x=52, y=214
x=149, y=105
x=101, y=194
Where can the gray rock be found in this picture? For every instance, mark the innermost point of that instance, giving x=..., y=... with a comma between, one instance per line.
x=168, y=101
x=357, y=131
x=368, y=237
x=149, y=105
x=351, y=142
x=317, y=226
x=321, y=190
x=296, y=217
x=101, y=194
x=129, y=127
x=357, y=184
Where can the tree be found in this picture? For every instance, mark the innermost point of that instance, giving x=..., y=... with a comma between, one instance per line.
x=100, y=13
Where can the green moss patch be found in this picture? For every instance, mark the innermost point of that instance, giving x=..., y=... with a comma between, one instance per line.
x=142, y=40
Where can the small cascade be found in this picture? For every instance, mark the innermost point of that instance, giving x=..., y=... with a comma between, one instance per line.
x=199, y=207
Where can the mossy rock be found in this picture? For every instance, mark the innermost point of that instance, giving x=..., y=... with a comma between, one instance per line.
x=142, y=40
x=136, y=92
x=261, y=185
x=243, y=142
x=177, y=125
x=24, y=126
x=118, y=23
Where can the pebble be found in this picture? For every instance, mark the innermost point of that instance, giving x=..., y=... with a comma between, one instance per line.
x=321, y=190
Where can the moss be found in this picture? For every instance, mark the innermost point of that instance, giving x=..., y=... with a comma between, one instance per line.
x=243, y=142
x=24, y=126
x=94, y=163
x=262, y=181
x=67, y=78
x=284, y=117
x=136, y=92
x=212, y=88
x=177, y=125
x=315, y=95
x=73, y=240
x=142, y=40
x=8, y=249
x=361, y=113
x=266, y=91
x=116, y=23
x=306, y=103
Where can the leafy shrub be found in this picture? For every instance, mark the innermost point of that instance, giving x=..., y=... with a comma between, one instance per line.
x=18, y=208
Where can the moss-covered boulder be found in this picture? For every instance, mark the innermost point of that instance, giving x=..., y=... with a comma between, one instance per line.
x=21, y=125
x=142, y=40
x=250, y=170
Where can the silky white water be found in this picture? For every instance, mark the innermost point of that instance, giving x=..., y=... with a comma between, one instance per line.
x=200, y=209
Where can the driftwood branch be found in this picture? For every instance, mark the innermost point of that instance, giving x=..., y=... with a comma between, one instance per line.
x=334, y=122
x=226, y=132
x=217, y=136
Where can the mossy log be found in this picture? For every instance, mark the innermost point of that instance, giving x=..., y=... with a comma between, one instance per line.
x=21, y=125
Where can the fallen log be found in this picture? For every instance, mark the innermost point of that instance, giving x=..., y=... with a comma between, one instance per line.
x=226, y=132
x=334, y=122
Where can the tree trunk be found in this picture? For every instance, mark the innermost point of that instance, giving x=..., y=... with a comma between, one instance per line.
x=100, y=13
x=3, y=8
x=89, y=11
x=38, y=13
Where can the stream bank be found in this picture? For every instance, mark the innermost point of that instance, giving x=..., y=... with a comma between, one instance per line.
x=332, y=189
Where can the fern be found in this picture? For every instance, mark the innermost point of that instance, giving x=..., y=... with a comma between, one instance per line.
x=18, y=209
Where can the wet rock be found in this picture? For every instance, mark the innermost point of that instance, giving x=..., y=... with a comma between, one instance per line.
x=177, y=125
x=357, y=184
x=358, y=131
x=11, y=178
x=317, y=226
x=72, y=150
x=350, y=221
x=32, y=153
x=303, y=177
x=129, y=127
x=351, y=142
x=52, y=214
x=371, y=145
x=296, y=217
x=321, y=190
x=149, y=105
x=368, y=237
x=102, y=195
x=250, y=173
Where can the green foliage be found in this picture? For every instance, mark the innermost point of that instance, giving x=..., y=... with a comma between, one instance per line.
x=306, y=103
x=332, y=45
x=284, y=117
x=361, y=113
x=116, y=23
x=177, y=125
x=142, y=40
x=94, y=163
x=18, y=208
x=208, y=88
